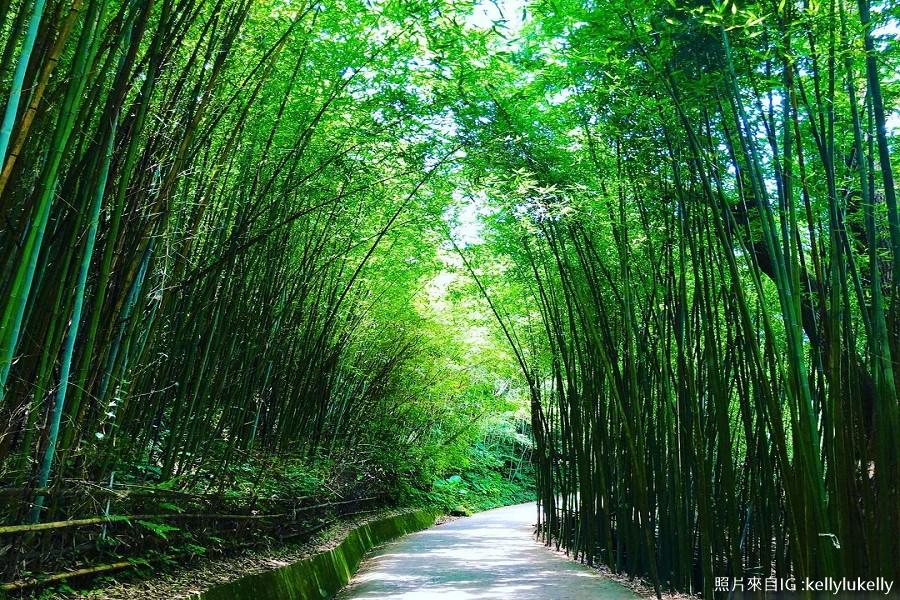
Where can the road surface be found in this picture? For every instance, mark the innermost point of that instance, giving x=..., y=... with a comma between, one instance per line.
x=490, y=556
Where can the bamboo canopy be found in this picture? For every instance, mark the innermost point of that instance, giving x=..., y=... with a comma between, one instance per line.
x=639, y=260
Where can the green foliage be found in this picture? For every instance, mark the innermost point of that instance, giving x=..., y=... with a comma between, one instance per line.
x=268, y=249
x=493, y=470
x=480, y=489
x=160, y=529
x=693, y=274
x=194, y=549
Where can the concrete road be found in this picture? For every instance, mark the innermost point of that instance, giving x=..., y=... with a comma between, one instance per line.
x=491, y=556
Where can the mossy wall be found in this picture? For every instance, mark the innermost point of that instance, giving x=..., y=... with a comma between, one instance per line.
x=322, y=575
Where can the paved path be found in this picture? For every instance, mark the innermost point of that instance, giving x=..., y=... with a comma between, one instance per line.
x=490, y=556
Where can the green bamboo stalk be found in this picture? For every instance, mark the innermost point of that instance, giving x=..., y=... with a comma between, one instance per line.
x=15, y=92
x=72, y=334
x=20, y=290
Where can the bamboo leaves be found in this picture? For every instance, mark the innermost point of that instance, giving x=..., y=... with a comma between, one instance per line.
x=714, y=348
x=200, y=244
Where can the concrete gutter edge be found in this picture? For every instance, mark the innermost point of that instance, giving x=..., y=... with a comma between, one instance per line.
x=322, y=575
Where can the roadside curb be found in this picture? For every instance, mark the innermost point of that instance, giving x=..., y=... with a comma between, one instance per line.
x=324, y=574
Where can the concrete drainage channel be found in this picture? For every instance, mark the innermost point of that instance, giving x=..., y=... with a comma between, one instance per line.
x=322, y=575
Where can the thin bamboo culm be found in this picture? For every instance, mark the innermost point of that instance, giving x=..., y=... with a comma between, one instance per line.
x=718, y=299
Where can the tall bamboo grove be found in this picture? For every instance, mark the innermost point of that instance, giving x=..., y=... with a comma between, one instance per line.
x=192, y=195
x=701, y=201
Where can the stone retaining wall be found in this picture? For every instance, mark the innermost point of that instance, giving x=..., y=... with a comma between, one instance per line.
x=322, y=575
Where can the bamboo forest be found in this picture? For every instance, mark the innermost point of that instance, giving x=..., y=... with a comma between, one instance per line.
x=270, y=266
